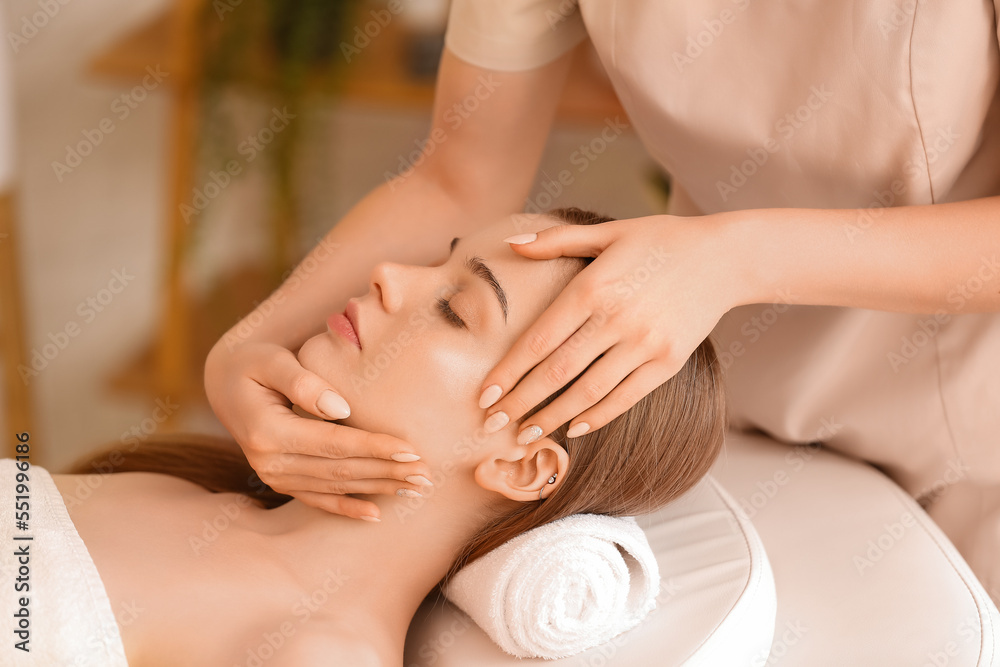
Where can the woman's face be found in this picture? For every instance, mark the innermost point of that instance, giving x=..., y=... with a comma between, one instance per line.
x=429, y=334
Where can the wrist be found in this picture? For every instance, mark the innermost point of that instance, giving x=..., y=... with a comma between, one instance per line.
x=754, y=272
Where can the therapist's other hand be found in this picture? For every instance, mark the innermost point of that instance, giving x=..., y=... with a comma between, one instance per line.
x=252, y=388
x=655, y=290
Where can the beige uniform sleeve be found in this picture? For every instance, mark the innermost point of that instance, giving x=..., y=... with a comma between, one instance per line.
x=511, y=35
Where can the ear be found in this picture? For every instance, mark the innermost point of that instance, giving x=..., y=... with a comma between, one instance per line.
x=520, y=472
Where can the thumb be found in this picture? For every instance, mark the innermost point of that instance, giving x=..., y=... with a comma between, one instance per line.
x=306, y=389
x=564, y=241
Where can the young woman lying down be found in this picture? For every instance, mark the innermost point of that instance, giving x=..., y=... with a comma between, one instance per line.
x=219, y=570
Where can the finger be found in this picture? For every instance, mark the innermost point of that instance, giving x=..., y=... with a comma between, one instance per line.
x=556, y=371
x=298, y=483
x=343, y=505
x=304, y=388
x=552, y=328
x=629, y=391
x=586, y=391
x=566, y=241
x=284, y=466
x=337, y=441
x=349, y=469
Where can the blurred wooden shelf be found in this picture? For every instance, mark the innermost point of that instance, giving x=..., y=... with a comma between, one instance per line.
x=376, y=76
x=128, y=58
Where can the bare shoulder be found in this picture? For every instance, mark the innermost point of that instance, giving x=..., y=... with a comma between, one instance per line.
x=312, y=648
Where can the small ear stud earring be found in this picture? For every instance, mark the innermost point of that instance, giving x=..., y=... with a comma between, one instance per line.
x=552, y=480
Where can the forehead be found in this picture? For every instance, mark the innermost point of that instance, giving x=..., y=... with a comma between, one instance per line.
x=492, y=236
x=518, y=274
x=510, y=267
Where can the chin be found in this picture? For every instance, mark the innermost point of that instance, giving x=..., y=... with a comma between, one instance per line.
x=318, y=355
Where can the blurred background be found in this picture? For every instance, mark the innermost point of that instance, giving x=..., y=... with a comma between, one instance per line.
x=165, y=163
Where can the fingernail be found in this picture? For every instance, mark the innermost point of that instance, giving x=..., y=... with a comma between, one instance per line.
x=404, y=457
x=529, y=435
x=332, y=405
x=489, y=396
x=373, y=519
x=576, y=430
x=495, y=422
x=408, y=493
x=419, y=480
x=520, y=239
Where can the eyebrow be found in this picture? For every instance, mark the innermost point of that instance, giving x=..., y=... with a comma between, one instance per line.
x=478, y=267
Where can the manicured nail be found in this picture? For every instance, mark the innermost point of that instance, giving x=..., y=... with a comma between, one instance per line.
x=404, y=457
x=520, y=239
x=373, y=519
x=419, y=480
x=408, y=493
x=489, y=396
x=576, y=430
x=495, y=422
x=333, y=406
x=529, y=435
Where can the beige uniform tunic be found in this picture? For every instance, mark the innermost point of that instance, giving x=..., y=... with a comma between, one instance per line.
x=753, y=104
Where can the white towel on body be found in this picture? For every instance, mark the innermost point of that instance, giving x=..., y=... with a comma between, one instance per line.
x=68, y=618
x=562, y=588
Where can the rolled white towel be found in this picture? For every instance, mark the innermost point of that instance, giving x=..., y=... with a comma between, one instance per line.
x=561, y=588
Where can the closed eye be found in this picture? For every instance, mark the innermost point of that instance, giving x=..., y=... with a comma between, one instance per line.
x=477, y=267
x=444, y=306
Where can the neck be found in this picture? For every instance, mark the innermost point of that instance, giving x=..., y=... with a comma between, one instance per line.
x=391, y=565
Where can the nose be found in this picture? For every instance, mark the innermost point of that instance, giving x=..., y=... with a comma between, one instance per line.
x=388, y=281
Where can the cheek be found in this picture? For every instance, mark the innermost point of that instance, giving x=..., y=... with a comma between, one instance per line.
x=458, y=374
x=428, y=389
x=435, y=389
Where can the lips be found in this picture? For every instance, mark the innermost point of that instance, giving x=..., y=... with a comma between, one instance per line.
x=345, y=323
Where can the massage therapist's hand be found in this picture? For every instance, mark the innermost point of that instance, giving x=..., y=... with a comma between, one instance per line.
x=251, y=389
x=656, y=289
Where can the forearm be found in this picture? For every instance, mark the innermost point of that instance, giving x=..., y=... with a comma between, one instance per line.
x=914, y=259
x=410, y=220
